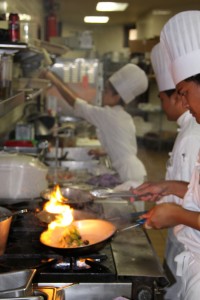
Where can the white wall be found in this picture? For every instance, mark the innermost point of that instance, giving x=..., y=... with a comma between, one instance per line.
x=111, y=38
x=105, y=39
x=150, y=25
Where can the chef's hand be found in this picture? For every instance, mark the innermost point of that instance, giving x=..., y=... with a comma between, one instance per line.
x=163, y=216
x=150, y=191
x=43, y=73
x=97, y=153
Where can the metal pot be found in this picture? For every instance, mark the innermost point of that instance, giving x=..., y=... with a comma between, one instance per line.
x=4, y=229
x=97, y=232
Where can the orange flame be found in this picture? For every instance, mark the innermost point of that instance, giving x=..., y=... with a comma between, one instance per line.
x=64, y=212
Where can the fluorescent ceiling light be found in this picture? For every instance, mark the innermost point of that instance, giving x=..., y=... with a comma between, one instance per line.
x=161, y=12
x=96, y=19
x=111, y=6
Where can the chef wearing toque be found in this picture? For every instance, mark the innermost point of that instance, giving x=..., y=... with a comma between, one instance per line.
x=115, y=128
x=183, y=157
x=180, y=37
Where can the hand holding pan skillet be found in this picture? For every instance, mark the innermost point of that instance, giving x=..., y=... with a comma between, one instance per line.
x=97, y=232
x=77, y=197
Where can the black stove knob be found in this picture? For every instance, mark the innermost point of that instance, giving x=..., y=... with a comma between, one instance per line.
x=145, y=293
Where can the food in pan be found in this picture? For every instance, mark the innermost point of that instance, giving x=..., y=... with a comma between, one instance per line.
x=95, y=231
x=64, y=237
x=72, y=238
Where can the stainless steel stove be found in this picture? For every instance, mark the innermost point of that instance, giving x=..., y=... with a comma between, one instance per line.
x=127, y=265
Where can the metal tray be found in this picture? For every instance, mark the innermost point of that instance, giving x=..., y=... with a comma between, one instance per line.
x=16, y=284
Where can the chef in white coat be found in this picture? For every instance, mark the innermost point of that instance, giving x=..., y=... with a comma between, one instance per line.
x=183, y=157
x=180, y=38
x=115, y=127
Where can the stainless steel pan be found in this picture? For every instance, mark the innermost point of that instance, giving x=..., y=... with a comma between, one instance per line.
x=96, y=231
x=71, y=196
x=109, y=193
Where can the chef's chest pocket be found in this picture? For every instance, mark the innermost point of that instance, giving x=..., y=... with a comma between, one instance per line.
x=182, y=159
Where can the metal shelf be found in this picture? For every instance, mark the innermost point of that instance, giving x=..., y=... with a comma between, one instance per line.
x=9, y=104
x=13, y=46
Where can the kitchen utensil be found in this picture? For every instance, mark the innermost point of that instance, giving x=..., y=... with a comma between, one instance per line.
x=109, y=193
x=4, y=229
x=4, y=216
x=71, y=196
x=137, y=223
x=96, y=231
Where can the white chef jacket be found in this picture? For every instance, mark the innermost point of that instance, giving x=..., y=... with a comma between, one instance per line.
x=184, y=153
x=117, y=134
x=180, y=167
x=188, y=262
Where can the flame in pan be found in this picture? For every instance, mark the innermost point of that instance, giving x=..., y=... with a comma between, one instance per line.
x=63, y=212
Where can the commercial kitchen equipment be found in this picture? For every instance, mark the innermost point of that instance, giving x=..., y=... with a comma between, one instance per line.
x=127, y=265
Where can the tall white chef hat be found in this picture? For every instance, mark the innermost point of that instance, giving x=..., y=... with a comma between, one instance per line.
x=130, y=81
x=161, y=66
x=181, y=38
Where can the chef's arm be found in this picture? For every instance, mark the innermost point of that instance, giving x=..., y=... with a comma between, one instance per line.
x=62, y=87
x=154, y=191
x=167, y=215
x=176, y=187
x=191, y=219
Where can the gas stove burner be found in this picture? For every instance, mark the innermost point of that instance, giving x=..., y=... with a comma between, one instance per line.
x=70, y=264
x=80, y=263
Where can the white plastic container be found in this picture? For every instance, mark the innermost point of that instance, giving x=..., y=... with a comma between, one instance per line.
x=21, y=177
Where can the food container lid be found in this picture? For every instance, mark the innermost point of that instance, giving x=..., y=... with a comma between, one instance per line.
x=17, y=160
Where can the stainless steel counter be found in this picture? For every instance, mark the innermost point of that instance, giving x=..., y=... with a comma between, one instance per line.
x=133, y=252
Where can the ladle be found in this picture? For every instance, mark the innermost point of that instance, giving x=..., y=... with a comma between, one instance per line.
x=6, y=216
